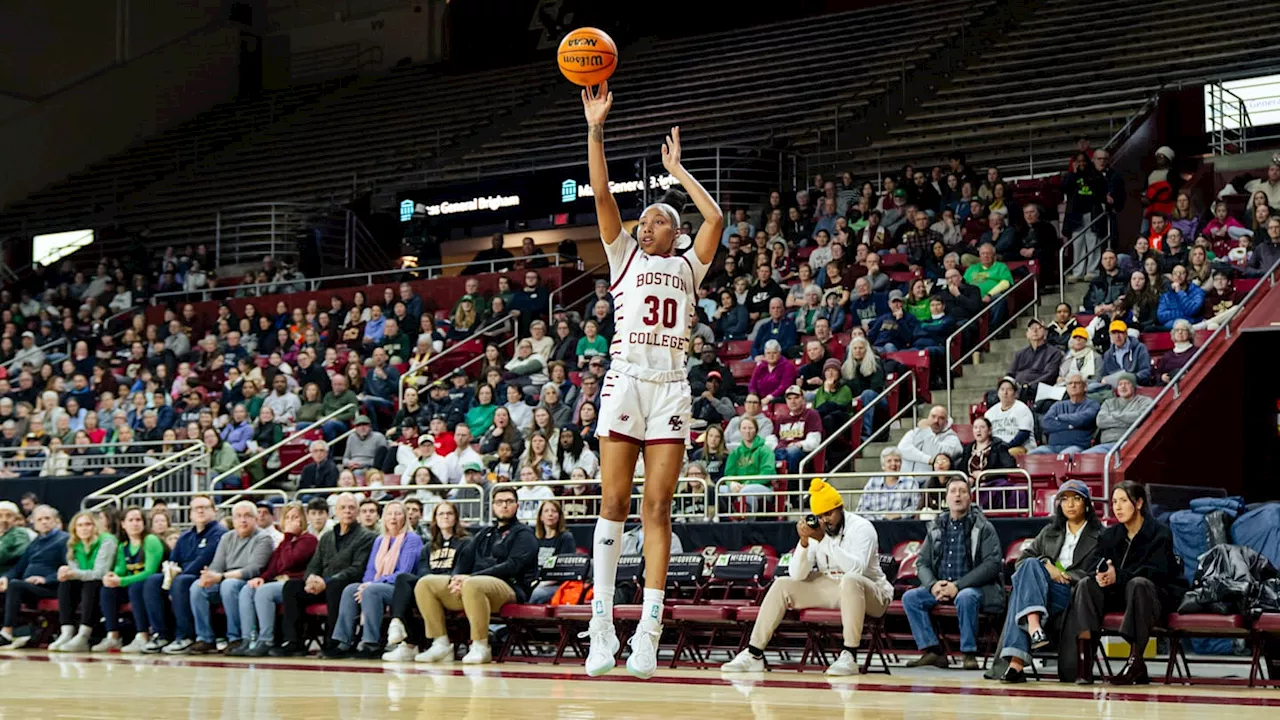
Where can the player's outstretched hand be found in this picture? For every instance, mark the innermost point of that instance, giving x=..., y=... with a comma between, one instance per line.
x=671, y=150
x=596, y=104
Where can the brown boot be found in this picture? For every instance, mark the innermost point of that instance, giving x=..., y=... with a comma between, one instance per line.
x=1084, y=661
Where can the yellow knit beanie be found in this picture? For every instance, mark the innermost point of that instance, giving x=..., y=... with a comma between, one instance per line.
x=823, y=498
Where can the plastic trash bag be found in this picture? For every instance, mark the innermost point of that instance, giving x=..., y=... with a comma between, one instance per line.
x=1227, y=581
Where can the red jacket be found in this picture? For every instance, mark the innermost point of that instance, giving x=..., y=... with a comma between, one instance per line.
x=291, y=557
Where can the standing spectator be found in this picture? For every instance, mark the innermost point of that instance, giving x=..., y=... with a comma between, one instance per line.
x=395, y=551
x=35, y=576
x=193, y=553
x=241, y=554
x=340, y=557
x=836, y=565
x=932, y=436
x=799, y=430
x=90, y=555
x=499, y=566
x=1070, y=423
x=959, y=563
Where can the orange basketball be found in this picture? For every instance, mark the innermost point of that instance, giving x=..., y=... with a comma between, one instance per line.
x=587, y=56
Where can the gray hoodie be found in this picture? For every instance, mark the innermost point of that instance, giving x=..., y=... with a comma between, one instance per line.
x=921, y=444
x=249, y=554
x=1118, y=414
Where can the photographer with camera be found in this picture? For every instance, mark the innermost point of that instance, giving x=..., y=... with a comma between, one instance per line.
x=836, y=565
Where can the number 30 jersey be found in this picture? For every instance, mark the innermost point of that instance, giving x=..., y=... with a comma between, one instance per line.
x=654, y=301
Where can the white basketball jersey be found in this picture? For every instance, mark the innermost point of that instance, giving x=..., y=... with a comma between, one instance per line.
x=654, y=301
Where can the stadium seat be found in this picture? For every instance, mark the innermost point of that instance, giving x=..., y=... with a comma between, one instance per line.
x=1204, y=625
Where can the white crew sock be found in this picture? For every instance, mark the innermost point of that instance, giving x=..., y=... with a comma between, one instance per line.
x=606, y=548
x=6, y=634
x=651, y=617
x=67, y=632
x=85, y=630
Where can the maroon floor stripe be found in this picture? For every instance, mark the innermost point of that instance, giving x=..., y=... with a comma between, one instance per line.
x=1102, y=693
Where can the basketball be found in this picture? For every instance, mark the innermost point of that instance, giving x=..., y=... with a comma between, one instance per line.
x=587, y=56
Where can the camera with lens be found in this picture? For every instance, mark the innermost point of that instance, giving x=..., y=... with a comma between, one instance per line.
x=811, y=520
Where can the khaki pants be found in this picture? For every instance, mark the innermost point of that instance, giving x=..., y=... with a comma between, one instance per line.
x=854, y=595
x=479, y=597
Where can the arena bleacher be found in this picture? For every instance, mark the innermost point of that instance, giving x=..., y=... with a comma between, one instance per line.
x=121, y=387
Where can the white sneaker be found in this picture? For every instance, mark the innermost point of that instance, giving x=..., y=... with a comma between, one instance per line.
x=643, y=661
x=744, y=662
x=178, y=647
x=396, y=633
x=601, y=658
x=479, y=654
x=846, y=664
x=18, y=643
x=108, y=644
x=77, y=644
x=63, y=638
x=156, y=644
x=135, y=646
x=441, y=649
x=404, y=652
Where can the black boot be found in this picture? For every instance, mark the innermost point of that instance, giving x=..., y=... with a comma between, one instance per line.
x=1085, y=657
x=1134, y=672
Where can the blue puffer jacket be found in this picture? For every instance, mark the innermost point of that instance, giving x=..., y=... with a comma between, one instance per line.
x=1180, y=305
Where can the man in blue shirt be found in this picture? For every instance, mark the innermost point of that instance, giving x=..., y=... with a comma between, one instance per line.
x=193, y=552
x=779, y=326
x=1070, y=423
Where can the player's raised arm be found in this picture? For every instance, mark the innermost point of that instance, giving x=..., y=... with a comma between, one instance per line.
x=596, y=106
x=708, y=240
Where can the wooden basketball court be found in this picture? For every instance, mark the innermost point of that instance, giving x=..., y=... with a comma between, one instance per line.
x=36, y=685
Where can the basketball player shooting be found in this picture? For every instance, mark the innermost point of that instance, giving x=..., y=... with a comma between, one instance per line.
x=645, y=402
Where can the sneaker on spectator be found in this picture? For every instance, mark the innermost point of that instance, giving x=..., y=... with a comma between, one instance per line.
x=643, y=661
x=441, y=649
x=156, y=644
x=77, y=644
x=846, y=664
x=396, y=633
x=18, y=643
x=478, y=654
x=290, y=649
x=179, y=647
x=744, y=662
x=601, y=658
x=137, y=645
x=108, y=644
x=221, y=645
x=404, y=652
x=259, y=649
x=64, y=637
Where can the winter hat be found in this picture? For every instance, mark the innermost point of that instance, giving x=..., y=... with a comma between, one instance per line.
x=823, y=498
x=1166, y=151
x=830, y=363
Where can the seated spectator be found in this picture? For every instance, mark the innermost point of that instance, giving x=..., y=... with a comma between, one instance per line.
x=574, y=454
x=340, y=402
x=732, y=322
x=835, y=566
x=1125, y=354
x=864, y=375
x=1182, y=300
x=553, y=540
x=499, y=566
x=14, y=537
x=138, y=557
x=259, y=597
x=779, y=327
x=395, y=551
x=90, y=554
x=1143, y=579
x=895, y=330
x=35, y=575
x=991, y=277
x=1000, y=236
x=986, y=452
x=1223, y=228
x=933, y=332
x=712, y=406
x=752, y=408
x=529, y=369
x=1058, y=332
x=1175, y=252
x=1062, y=554
x=919, y=238
x=799, y=430
x=866, y=305
x=193, y=553
x=712, y=453
x=932, y=436
x=1034, y=238
x=1171, y=362
x=1038, y=363
x=891, y=496
x=363, y=445
x=773, y=375
x=1080, y=358
x=917, y=300
x=445, y=536
x=752, y=458
x=1119, y=413
x=763, y=291
x=1070, y=422
x=1106, y=287
x=241, y=554
x=959, y=563
x=963, y=301
x=322, y=472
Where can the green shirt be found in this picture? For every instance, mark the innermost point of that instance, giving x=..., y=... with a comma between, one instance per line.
x=588, y=347
x=134, y=567
x=480, y=418
x=13, y=543
x=920, y=309
x=332, y=403
x=843, y=396
x=987, y=279
x=753, y=459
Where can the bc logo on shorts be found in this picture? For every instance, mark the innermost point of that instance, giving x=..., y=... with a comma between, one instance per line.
x=677, y=423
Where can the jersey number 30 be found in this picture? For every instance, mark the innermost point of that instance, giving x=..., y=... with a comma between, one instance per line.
x=670, y=311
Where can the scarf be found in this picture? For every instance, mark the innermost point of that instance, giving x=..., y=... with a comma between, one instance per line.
x=388, y=554
x=1182, y=347
x=1083, y=360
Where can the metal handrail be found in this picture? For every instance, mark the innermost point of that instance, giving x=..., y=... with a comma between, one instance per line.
x=857, y=417
x=636, y=494
x=418, y=369
x=1013, y=316
x=551, y=297
x=480, y=357
x=285, y=469
x=1112, y=459
x=179, y=508
x=1062, y=252
x=263, y=454
x=1137, y=115
x=449, y=492
x=140, y=474
x=850, y=495
x=981, y=475
x=42, y=348
x=314, y=284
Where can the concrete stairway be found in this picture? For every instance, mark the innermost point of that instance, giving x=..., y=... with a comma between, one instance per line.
x=982, y=373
